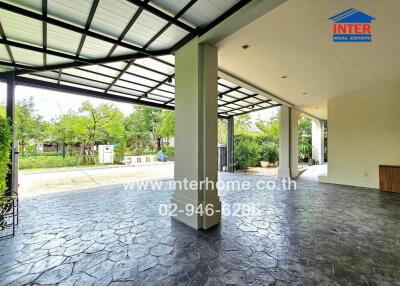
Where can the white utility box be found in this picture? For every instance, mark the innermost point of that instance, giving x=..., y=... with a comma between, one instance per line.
x=106, y=154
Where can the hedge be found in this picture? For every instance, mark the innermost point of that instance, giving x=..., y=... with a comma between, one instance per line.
x=251, y=148
x=5, y=147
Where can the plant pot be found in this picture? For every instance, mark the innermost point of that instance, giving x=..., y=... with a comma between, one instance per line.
x=264, y=164
x=311, y=162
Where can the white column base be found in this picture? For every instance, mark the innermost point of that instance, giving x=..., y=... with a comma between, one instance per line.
x=283, y=172
x=199, y=219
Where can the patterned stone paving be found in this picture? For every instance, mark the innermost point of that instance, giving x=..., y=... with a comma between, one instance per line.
x=317, y=235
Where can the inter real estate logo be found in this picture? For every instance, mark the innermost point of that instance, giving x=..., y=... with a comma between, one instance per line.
x=352, y=25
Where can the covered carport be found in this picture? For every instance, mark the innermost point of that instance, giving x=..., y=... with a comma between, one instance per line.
x=318, y=234
x=126, y=51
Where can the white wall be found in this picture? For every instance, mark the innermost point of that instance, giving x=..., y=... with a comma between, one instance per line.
x=363, y=132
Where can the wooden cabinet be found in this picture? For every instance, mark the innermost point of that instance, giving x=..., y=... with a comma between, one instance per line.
x=389, y=178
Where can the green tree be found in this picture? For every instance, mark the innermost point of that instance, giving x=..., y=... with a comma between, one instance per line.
x=103, y=123
x=166, y=125
x=69, y=129
x=222, y=131
x=305, y=138
x=242, y=123
x=5, y=146
x=146, y=125
x=2, y=111
x=270, y=128
x=28, y=125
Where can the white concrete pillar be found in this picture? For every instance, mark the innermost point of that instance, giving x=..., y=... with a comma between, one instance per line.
x=196, y=135
x=288, y=142
x=284, y=142
x=318, y=141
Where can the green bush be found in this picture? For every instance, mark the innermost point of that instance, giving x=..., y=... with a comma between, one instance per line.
x=5, y=146
x=36, y=162
x=246, y=153
x=120, y=151
x=169, y=151
x=269, y=151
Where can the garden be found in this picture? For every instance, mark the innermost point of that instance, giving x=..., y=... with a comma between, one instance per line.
x=72, y=139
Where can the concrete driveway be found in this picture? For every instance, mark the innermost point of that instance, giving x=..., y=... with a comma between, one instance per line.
x=57, y=180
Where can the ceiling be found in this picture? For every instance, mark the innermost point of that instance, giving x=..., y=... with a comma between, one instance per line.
x=295, y=40
x=120, y=50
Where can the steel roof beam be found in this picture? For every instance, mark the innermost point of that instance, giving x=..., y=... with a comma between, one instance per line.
x=87, y=26
x=4, y=38
x=44, y=31
x=162, y=15
x=70, y=27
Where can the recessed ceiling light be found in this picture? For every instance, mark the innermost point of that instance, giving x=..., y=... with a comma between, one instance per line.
x=245, y=46
x=284, y=76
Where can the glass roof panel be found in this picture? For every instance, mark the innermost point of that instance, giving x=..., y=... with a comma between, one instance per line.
x=75, y=11
x=62, y=40
x=20, y=28
x=146, y=26
x=112, y=17
x=168, y=39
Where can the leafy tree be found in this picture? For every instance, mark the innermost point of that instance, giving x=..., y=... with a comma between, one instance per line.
x=305, y=138
x=242, y=123
x=5, y=146
x=3, y=111
x=28, y=125
x=148, y=124
x=222, y=131
x=270, y=128
x=104, y=123
x=69, y=129
x=166, y=125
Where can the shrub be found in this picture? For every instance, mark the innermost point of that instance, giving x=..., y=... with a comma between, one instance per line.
x=169, y=151
x=36, y=162
x=120, y=151
x=269, y=151
x=5, y=146
x=246, y=153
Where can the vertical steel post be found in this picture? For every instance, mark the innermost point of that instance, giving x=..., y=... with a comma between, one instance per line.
x=10, y=116
x=230, y=144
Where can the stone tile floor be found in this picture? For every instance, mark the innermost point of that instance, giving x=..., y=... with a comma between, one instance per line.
x=318, y=235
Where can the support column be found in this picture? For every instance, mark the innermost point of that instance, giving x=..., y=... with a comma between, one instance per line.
x=288, y=142
x=196, y=135
x=10, y=109
x=230, y=140
x=318, y=141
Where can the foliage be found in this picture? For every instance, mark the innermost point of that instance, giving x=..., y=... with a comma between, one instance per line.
x=222, y=132
x=120, y=151
x=5, y=146
x=28, y=125
x=246, y=152
x=269, y=151
x=103, y=124
x=147, y=125
x=39, y=162
x=169, y=152
x=305, y=138
x=270, y=129
x=242, y=123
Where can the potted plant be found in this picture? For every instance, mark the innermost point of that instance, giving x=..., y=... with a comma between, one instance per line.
x=273, y=153
x=269, y=154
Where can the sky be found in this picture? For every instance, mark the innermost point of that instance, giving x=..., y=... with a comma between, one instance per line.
x=50, y=104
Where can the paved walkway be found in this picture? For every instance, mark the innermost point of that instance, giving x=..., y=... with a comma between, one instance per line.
x=312, y=172
x=318, y=235
x=34, y=183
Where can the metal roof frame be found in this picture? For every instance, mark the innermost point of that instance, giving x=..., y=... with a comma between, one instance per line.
x=141, y=76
